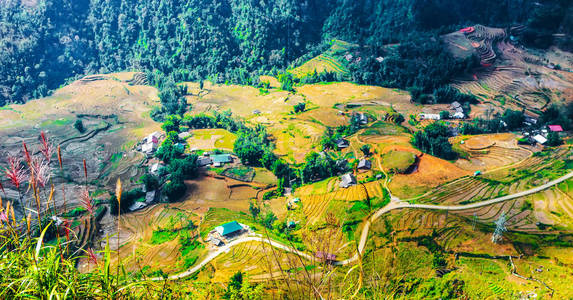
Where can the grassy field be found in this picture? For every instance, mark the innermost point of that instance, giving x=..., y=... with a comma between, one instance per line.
x=398, y=161
x=209, y=139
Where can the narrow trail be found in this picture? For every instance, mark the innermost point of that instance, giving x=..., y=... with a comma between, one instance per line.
x=395, y=203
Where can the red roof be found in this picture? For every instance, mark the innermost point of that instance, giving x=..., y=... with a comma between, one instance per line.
x=555, y=128
x=467, y=30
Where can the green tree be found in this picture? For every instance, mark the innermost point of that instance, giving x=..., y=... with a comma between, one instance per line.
x=254, y=209
x=286, y=81
x=172, y=123
x=365, y=149
x=434, y=140
x=300, y=107
x=444, y=115
x=553, y=139
x=513, y=118
x=235, y=283
x=79, y=126
x=174, y=190
x=150, y=182
x=269, y=219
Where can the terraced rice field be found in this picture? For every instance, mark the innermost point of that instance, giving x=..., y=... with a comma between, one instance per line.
x=137, y=248
x=519, y=79
x=86, y=230
x=530, y=165
x=521, y=176
x=518, y=218
x=258, y=260
x=482, y=39
x=325, y=62
x=322, y=64
x=453, y=232
x=315, y=205
x=496, y=156
x=471, y=189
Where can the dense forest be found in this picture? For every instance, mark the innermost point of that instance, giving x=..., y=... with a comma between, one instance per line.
x=46, y=42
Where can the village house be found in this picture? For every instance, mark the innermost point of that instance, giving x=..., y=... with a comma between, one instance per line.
x=153, y=137
x=150, y=143
x=347, y=180
x=151, y=197
x=217, y=242
x=204, y=161
x=137, y=206
x=455, y=105
x=179, y=147
x=342, y=143
x=364, y=164
x=154, y=169
x=184, y=135
x=555, y=128
x=425, y=116
x=228, y=231
x=361, y=118
x=458, y=115
x=540, y=139
x=220, y=159
x=293, y=203
x=149, y=148
x=529, y=120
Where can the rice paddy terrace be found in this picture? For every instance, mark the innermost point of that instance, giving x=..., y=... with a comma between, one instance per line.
x=511, y=75
x=334, y=60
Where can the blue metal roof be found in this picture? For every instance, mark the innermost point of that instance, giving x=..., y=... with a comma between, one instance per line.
x=231, y=227
x=221, y=158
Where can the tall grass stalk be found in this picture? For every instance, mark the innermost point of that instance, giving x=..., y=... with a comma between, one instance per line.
x=118, y=194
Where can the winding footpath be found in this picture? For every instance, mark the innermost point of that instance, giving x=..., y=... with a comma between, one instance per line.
x=395, y=203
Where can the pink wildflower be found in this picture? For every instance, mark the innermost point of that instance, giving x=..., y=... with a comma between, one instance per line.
x=3, y=217
x=27, y=153
x=87, y=201
x=41, y=171
x=15, y=171
x=46, y=148
x=92, y=256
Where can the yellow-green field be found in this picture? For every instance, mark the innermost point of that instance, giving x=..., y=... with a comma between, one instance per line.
x=209, y=139
x=330, y=61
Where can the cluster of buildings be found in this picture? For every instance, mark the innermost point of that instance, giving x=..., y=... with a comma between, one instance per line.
x=456, y=112
x=539, y=136
x=347, y=180
x=216, y=160
x=151, y=143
